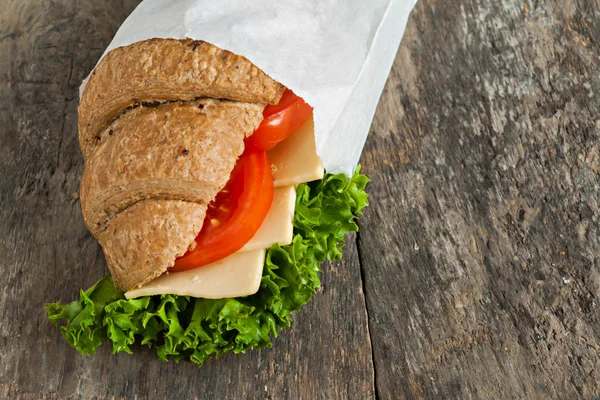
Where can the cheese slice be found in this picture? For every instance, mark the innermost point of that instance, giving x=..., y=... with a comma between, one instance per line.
x=236, y=275
x=277, y=226
x=295, y=159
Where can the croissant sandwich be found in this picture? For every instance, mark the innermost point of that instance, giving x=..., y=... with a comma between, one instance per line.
x=203, y=186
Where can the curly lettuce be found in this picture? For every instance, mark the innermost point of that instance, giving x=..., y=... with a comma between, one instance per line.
x=182, y=327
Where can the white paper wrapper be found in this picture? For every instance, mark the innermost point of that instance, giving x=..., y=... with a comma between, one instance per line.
x=336, y=54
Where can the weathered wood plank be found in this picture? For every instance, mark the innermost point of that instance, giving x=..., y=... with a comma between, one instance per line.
x=47, y=254
x=481, y=251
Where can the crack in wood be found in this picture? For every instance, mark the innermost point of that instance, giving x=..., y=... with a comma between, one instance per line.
x=366, y=306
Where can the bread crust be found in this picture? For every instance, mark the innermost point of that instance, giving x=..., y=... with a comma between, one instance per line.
x=175, y=151
x=159, y=70
x=144, y=240
x=161, y=125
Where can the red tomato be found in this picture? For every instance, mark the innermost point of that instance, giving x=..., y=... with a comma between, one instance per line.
x=280, y=121
x=235, y=215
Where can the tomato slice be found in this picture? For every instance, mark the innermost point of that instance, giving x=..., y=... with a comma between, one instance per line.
x=235, y=215
x=280, y=121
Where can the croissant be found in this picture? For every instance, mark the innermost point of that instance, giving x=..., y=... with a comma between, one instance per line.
x=161, y=124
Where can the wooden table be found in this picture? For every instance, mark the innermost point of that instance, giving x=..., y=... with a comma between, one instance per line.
x=476, y=271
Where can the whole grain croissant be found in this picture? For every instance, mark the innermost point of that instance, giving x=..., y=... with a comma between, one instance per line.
x=161, y=124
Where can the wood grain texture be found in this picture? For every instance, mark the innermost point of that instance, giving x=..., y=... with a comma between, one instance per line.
x=485, y=278
x=46, y=49
x=479, y=254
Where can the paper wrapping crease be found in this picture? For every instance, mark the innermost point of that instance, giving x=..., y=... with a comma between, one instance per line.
x=335, y=54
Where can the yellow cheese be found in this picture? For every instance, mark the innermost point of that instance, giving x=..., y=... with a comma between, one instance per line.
x=277, y=226
x=236, y=275
x=295, y=160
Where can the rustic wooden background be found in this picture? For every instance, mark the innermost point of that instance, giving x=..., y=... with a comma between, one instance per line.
x=476, y=273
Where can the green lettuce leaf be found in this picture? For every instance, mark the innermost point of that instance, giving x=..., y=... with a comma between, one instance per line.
x=181, y=327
